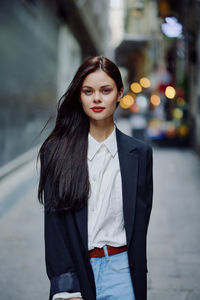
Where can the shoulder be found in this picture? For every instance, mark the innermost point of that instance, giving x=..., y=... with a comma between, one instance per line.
x=132, y=142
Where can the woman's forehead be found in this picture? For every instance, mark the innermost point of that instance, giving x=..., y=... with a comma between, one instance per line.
x=98, y=78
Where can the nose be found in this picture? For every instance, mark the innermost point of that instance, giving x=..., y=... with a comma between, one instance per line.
x=97, y=97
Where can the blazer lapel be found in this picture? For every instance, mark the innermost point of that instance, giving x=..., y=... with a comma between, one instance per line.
x=128, y=161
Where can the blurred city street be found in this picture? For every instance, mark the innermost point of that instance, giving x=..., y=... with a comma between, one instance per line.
x=156, y=46
x=173, y=239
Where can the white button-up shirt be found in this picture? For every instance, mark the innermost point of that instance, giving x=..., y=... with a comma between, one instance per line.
x=105, y=206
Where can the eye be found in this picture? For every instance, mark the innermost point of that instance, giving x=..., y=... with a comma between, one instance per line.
x=106, y=91
x=87, y=92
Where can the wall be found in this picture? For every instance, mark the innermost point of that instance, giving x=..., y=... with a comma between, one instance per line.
x=42, y=44
x=29, y=57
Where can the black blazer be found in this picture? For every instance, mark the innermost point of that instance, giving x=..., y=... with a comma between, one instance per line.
x=66, y=242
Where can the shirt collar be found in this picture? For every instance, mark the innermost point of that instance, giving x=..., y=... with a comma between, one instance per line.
x=110, y=142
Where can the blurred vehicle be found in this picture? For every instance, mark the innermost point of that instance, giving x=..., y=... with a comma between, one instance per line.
x=167, y=133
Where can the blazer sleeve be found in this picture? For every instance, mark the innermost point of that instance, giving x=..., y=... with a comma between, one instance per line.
x=149, y=183
x=59, y=264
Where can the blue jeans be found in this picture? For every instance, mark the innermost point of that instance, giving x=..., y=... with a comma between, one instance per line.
x=112, y=277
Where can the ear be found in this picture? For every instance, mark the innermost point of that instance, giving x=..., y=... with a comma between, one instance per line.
x=120, y=95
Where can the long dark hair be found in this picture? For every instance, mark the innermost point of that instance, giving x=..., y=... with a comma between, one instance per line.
x=64, y=180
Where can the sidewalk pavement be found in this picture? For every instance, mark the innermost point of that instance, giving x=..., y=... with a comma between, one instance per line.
x=22, y=275
x=174, y=230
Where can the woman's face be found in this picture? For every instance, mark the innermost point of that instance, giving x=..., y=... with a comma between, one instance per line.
x=99, y=96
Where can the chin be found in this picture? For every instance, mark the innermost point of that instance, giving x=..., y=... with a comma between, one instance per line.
x=101, y=118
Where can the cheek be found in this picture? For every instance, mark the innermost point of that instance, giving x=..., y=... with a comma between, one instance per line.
x=113, y=103
x=84, y=101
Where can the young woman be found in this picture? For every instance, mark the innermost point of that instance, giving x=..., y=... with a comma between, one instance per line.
x=96, y=187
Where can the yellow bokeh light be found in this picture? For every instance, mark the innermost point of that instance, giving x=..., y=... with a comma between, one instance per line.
x=177, y=113
x=132, y=95
x=183, y=130
x=155, y=99
x=128, y=100
x=136, y=87
x=123, y=105
x=145, y=82
x=170, y=92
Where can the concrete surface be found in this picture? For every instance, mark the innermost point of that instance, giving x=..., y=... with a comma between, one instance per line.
x=174, y=231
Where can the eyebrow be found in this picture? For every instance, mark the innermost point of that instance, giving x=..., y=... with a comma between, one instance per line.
x=103, y=86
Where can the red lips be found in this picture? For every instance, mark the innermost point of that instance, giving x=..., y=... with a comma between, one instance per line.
x=98, y=108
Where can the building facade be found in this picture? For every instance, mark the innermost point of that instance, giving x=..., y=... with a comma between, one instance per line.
x=42, y=44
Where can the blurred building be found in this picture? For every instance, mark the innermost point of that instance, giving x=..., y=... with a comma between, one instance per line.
x=160, y=40
x=42, y=44
x=139, y=49
x=184, y=59
x=191, y=24
x=140, y=52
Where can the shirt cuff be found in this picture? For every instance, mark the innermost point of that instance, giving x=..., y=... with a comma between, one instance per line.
x=66, y=295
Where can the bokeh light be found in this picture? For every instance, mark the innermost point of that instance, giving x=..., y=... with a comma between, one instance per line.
x=183, y=130
x=170, y=130
x=132, y=95
x=180, y=101
x=170, y=92
x=136, y=87
x=134, y=108
x=172, y=28
x=155, y=99
x=145, y=82
x=123, y=105
x=127, y=101
x=142, y=102
x=177, y=113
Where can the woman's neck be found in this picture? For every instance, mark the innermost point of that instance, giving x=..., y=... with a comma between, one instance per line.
x=101, y=130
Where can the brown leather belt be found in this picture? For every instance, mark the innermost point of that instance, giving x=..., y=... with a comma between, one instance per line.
x=99, y=252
